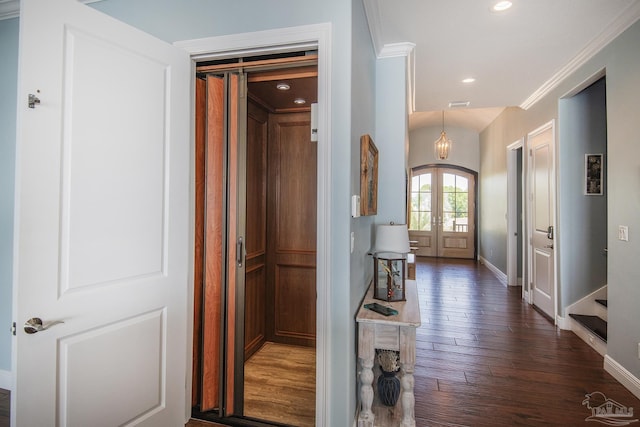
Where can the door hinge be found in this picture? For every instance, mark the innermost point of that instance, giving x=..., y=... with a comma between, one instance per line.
x=33, y=100
x=13, y=329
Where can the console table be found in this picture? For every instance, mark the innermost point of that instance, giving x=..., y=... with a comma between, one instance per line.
x=398, y=333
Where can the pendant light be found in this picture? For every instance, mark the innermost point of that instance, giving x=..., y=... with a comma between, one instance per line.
x=443, y=144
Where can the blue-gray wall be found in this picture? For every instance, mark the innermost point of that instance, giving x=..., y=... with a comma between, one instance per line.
x=8, y=93
x=352, y=113
x=582, y=220
x=392, y=139
x=621, y=59
x=363, y=109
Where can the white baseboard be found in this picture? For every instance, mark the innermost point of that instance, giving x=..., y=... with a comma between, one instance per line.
x=587, y=336
x=6, y=380
x=563, y=323
x=502, y=277
x=623, y=376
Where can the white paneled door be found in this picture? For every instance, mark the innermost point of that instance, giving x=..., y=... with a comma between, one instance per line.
x=102, y=222
x=542, y=185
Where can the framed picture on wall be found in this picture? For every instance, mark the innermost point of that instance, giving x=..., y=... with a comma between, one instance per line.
x=368, y=176
x=593, y=173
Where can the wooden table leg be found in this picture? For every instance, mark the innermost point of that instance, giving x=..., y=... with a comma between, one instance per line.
x=408, y=362
x=366, y=354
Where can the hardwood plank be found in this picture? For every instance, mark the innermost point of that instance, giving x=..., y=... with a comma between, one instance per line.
x=280, y=385
x=486, y=358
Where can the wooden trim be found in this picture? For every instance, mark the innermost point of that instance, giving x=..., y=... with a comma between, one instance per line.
x=264, y=64
x=274, y=75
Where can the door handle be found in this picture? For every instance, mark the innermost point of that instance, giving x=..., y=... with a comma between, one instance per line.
x=550, y=232
x=35, y=324
x=239, y=249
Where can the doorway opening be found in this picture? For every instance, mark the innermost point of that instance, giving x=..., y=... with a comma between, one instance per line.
x=442, y=211
x=516, y=252
x=256, y=224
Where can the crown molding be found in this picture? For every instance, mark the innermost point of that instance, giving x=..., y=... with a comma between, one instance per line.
x=11, y=8
x=626, y=18
x=372, y=13
x=392, y=50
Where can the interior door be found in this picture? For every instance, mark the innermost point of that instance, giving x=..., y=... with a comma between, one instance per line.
x=442, y=222
x=541, y=150
x=102, y=222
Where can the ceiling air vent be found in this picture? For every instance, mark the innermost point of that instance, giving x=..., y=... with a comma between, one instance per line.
x=459, y=104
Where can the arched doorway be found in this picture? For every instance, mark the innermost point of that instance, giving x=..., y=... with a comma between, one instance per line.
x=442, y=211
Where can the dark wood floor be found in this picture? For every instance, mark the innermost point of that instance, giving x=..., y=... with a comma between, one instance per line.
x=485, y=358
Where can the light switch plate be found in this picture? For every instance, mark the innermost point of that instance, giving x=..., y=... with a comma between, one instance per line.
x=355, y=206
x=623, y=233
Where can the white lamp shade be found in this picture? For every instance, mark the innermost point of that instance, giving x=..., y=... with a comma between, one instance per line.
x=392, y=238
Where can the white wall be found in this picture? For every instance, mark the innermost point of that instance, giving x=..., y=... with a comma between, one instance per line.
x=363, y=90
x=465, y=150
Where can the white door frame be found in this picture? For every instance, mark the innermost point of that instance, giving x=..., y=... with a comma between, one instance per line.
x=512, y=214
x=529, y=196
x=306, y=37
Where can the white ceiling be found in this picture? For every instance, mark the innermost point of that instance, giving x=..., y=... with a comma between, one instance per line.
x=516, y=56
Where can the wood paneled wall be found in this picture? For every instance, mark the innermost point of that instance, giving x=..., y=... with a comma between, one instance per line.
x=291, y=230
x=280, y=282
x=256, y=231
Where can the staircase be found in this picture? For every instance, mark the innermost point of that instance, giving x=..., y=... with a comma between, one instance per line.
x=592, y=327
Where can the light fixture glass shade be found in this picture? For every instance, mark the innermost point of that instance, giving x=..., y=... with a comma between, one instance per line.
x=392, y=238
x=442, y=146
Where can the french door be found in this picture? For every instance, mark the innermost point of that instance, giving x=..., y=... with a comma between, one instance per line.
x=442, y=211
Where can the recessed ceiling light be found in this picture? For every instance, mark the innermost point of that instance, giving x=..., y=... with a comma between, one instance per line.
x=468, y=80
x=502, y=5
x=283, y=86
x=300, y=101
